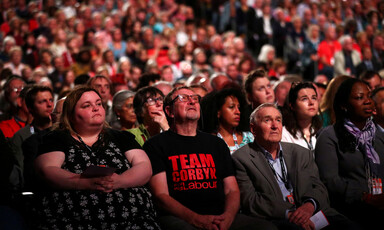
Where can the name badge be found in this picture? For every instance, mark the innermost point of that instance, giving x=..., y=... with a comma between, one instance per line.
x=377, y=186
x=290, y=199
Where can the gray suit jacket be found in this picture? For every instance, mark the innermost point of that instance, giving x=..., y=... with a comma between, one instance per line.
x=260, y=193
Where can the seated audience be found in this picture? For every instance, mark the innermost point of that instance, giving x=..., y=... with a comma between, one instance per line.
x=372, y=78
x=350, y=156
x=202, y=200
x=224, y=116
x=279, y=181
x=326, y=105
x=377, y=96
x=148, y=105
x=122, y=104
x=74, y=196
x=301, y=121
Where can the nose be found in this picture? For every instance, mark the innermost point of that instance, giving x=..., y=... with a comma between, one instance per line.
x=237, y=110
x=50, y=104
x=368, y=101
x=95, y=108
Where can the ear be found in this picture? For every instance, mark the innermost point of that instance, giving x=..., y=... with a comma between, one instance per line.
x=168, y=111
x=252, y=128
x=218, y=114
x=374, y=111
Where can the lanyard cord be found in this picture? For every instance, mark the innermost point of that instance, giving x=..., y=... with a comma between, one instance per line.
x=284, y=176
x=309, y=144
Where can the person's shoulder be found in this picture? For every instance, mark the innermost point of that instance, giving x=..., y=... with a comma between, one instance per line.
x=292, y=147
x=328, y=132
x=242, y=152
x=119, y=133
x=161, y=137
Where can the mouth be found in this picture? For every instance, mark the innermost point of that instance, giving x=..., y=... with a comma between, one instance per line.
x=368, y=110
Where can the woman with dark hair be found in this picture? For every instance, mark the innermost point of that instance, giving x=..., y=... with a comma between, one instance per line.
x=224, y=116
x=300, y=118
x=94, y=176
x=350, y=156
x=148, y=105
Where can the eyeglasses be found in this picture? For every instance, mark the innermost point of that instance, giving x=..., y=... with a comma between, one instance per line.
x=153, y=101
x=17, y=89
x=185, y=98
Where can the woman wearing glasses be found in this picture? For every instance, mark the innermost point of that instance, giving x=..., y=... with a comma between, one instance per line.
x=148, y=106
x=224, y=116
x=300, y=119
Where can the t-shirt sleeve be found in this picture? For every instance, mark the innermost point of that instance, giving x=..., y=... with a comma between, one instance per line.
x=154, y=155
x=53, y=141
x=127, y=141
x=227, y=160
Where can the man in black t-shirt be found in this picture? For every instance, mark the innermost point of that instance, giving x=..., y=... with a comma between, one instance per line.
x=193, y=177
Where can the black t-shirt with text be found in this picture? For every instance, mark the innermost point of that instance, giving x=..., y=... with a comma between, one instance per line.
x=195, y=168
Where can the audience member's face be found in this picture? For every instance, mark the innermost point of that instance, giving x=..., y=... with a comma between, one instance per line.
x=167, y=75
x=374, y=82
x=184, y=111
x=102, y=86
x=262, y=92
x=151, y=111
x=43, y=105
x=15, y=87
x=360, y=105
x=229, y=113
x=89, y=111
x=16, y=57
x=268, y=126
x=379, y=104
x=307, y=104
x=282, y=91
x=232, y=72
x=127, y=112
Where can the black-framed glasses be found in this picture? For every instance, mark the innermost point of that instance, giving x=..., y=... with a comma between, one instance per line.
x=153, y=101
x=185, y=98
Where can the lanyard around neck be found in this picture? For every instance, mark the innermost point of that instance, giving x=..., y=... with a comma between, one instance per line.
x=284, y=176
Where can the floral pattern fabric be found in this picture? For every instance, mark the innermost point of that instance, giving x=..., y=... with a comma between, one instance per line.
x=128, y=208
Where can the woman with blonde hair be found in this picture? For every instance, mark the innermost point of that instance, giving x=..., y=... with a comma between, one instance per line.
x=326, y=104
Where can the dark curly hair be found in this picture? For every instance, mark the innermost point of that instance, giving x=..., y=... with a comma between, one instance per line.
x=212, y=103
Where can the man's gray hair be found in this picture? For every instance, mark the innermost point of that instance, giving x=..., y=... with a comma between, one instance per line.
x=253, y=116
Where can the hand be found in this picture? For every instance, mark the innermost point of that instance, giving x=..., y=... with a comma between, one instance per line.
x=224, y=221
x=309, y=225
x=207, y=222
x=302, y=214
x=103, y=184
x=160, y=118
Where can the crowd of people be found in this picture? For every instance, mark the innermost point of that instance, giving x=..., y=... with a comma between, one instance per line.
x=249, y=114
